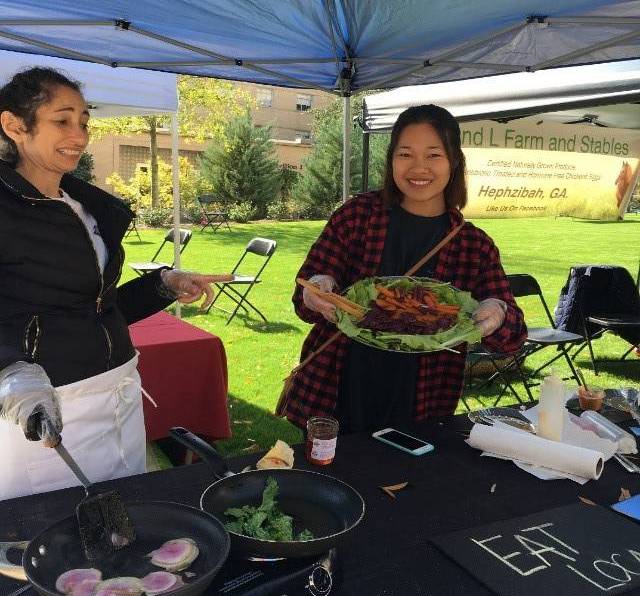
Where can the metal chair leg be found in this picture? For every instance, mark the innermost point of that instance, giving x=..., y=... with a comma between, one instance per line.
x=593, y=358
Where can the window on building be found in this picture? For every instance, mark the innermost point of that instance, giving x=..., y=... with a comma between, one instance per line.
x=302, y=135
x=264, y=97
x=303, y=103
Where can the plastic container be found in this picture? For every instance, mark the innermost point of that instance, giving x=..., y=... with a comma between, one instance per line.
x=590, y=399
x=608, y=430
x=322, y=437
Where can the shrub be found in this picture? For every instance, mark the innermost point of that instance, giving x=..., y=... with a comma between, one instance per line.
x=278, y=210
x=242, y=212
x=192, y=214
x=287, y=209
x=157, y=217
x=137, y=191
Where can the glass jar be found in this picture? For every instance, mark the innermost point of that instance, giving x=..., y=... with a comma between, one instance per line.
x=322, y=436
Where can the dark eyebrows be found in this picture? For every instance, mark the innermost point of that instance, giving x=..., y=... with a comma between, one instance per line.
x=438, y=147
x=70, y=109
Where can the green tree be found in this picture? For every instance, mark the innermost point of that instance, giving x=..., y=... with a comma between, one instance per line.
x=204, y=106
x=319, y=187
x=289, y=179
x=244, y=169
x=84, y=171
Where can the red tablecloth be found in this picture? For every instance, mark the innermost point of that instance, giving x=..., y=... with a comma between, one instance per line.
x=184, y=370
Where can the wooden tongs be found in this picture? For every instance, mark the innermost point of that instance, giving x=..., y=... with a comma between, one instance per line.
x=352, y=308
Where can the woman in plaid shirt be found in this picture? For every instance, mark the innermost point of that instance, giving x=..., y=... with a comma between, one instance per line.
x=385, y=233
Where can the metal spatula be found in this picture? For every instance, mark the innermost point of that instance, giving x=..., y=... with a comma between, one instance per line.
x=103, y=522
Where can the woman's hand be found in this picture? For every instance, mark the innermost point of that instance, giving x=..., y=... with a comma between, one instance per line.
x=313, y=302
x=28, y=399
x=490, y=315
x=190, y=287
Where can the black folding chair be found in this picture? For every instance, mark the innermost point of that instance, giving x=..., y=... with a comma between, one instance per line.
x=494, y=367
x=539, y=338
x=260, y=247
x=503, y=366
x=608, y=301
x=212, y=218
x=132, y=229
x=153, y=265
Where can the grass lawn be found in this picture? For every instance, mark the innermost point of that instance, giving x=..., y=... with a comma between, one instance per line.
x=260, y=355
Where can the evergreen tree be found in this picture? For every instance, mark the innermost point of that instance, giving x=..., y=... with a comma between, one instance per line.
x=84, y=171
x=244, y=169
x=319, y=187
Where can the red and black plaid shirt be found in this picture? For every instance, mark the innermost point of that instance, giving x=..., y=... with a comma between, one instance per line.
x=350, y=248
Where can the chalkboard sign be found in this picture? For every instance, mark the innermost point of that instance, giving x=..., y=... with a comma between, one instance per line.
x=576, y=550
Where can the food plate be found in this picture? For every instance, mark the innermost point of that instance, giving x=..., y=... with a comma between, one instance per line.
x=364, y=292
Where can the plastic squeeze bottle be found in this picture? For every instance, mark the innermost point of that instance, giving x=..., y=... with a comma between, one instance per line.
x=551, y=411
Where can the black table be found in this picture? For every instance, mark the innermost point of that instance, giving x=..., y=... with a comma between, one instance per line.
x=389, y=553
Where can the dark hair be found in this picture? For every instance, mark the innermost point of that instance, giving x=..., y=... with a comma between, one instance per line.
x=23, y=95
x=455, y=193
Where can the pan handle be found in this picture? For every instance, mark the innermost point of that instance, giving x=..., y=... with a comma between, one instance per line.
x=207, y=452
x=6, y=567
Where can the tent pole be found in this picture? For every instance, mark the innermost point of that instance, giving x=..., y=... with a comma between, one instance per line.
x=175, y=165
x=365, y=160
x=346, y=146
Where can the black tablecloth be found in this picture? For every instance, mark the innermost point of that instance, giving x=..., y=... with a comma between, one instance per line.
x=389, y=552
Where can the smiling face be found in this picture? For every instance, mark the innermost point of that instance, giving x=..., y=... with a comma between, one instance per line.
x=56, y=141
x=421, y=170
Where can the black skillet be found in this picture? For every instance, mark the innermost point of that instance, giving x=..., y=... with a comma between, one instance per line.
x=58, y=548
x=326, y=506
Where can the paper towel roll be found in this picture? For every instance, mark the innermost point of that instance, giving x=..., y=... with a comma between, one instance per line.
x=535, y=450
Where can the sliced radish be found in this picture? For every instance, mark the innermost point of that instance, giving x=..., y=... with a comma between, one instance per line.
x=159, y=582
x=69, y=579
x=175, y=555
x=120, y=586
x=86, y=587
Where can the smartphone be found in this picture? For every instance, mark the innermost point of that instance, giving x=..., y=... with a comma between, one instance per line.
x=403, y=441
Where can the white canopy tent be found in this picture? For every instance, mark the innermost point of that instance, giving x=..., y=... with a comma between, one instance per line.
x=112, y=92
x=109, y=91
x=560, y=93
x=599, y=94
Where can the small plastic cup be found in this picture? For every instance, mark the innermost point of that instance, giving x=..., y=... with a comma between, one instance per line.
x=591, y=399
x=322, y=436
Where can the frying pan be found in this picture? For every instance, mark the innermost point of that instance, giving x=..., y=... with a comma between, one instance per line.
x=58, y=548
x=326, y=506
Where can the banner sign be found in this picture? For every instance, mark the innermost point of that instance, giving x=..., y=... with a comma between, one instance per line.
x=518, y=170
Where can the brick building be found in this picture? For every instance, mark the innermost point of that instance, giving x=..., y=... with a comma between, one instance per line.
x=287, y=110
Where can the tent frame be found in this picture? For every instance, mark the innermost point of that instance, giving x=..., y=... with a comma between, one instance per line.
x=346, y=62
x=338, y=17
x=343, y=58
